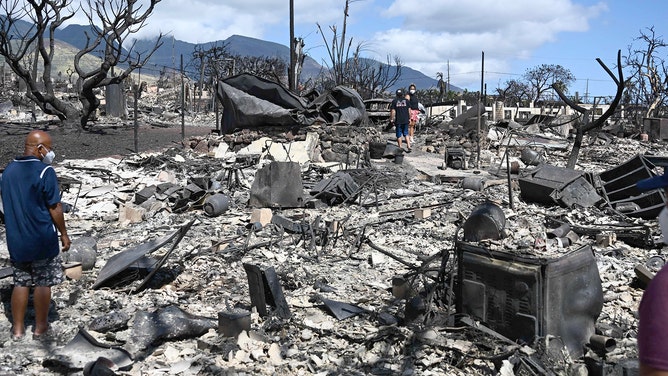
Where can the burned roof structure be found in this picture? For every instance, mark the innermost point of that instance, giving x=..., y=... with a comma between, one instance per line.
x=252, y=101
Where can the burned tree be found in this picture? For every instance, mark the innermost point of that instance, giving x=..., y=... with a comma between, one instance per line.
x=271, y=68
x=648, y=84
x=541, y=78
x=27, y=46
x=514, y=93
x=211, y=63
x=586, y=122
x=370, y=77
x=349, y=68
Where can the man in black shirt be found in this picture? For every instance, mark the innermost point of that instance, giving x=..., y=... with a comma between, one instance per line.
x=400, y=116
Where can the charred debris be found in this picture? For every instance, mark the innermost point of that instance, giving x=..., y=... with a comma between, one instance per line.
x=325, y=249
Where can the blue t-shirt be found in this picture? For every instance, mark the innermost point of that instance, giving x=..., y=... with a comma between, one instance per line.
x=28, y=188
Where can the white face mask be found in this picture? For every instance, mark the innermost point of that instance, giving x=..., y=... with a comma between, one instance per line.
x=49, y=157
x=663, y=224
x=412, y=91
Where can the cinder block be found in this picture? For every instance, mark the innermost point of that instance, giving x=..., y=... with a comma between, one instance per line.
x=422, y=213
x=131, y=214
x=606, y=239
x=167, y=176
x=73, y=270
x=261, y=215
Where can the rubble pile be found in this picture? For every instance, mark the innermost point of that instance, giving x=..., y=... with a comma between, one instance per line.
x=182, y=275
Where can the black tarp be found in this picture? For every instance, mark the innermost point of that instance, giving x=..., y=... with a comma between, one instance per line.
x=250, y=101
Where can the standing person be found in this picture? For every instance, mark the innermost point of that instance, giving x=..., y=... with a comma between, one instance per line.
x=33, y=213
x=400, y=116
x=653, y=309
x=414, y=110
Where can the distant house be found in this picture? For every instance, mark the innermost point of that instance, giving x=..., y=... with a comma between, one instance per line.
x=499, y=112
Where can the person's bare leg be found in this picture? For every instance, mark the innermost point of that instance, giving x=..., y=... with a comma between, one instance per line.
x=399, y=142
x=20, y=295
x=42, y=301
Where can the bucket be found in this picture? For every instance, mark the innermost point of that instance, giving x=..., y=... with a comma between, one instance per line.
x=486, y=221
x=531, y=157
x=399, y=159
x=216, y=204
x=473, y=183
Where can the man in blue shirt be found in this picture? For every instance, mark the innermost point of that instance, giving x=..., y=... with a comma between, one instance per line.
x=33, y=219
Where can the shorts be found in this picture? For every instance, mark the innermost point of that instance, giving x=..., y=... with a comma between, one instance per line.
x=46, y=272
x=414, y=116
x=401, y=130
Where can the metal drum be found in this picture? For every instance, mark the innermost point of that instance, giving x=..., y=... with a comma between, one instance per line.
x=216, y=205
x=486, y=221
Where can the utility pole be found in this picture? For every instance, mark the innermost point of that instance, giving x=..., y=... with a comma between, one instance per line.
x=481, y=107
x=183, y=102
x=447, y=82
x=291, y=69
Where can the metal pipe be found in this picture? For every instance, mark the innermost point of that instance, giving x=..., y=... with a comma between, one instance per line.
x=602, y=344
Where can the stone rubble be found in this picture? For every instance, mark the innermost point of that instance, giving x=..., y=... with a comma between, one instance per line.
x=403, y=222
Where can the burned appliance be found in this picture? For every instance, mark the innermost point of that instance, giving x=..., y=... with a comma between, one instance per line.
x=524, y=298
x=455, y=157
x=656, y=128
x=558, y=185
x=618, y=186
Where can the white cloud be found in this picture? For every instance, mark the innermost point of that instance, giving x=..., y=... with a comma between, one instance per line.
x=424, y=34
x=455, y=31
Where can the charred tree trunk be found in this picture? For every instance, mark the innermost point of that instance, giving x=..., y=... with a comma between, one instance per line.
x=577, y=143
x=586, y=125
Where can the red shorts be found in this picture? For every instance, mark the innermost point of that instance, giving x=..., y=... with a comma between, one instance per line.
x=414, y=115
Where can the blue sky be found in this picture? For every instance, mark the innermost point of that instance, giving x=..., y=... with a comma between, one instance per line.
x=431, y=36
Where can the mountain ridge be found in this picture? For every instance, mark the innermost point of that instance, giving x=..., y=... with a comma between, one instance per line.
x=169, y=53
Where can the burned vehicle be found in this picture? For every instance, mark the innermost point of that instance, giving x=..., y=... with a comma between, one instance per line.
x=378, y=110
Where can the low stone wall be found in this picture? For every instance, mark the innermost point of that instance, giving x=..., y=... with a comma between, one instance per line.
x=338, y=143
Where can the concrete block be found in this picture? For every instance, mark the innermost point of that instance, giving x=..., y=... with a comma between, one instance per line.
x=644, y=275
x=73, y=270
x=606, y=239
x=167, y=176
x=131, y=214
x=262, y=215
x=422, y=213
